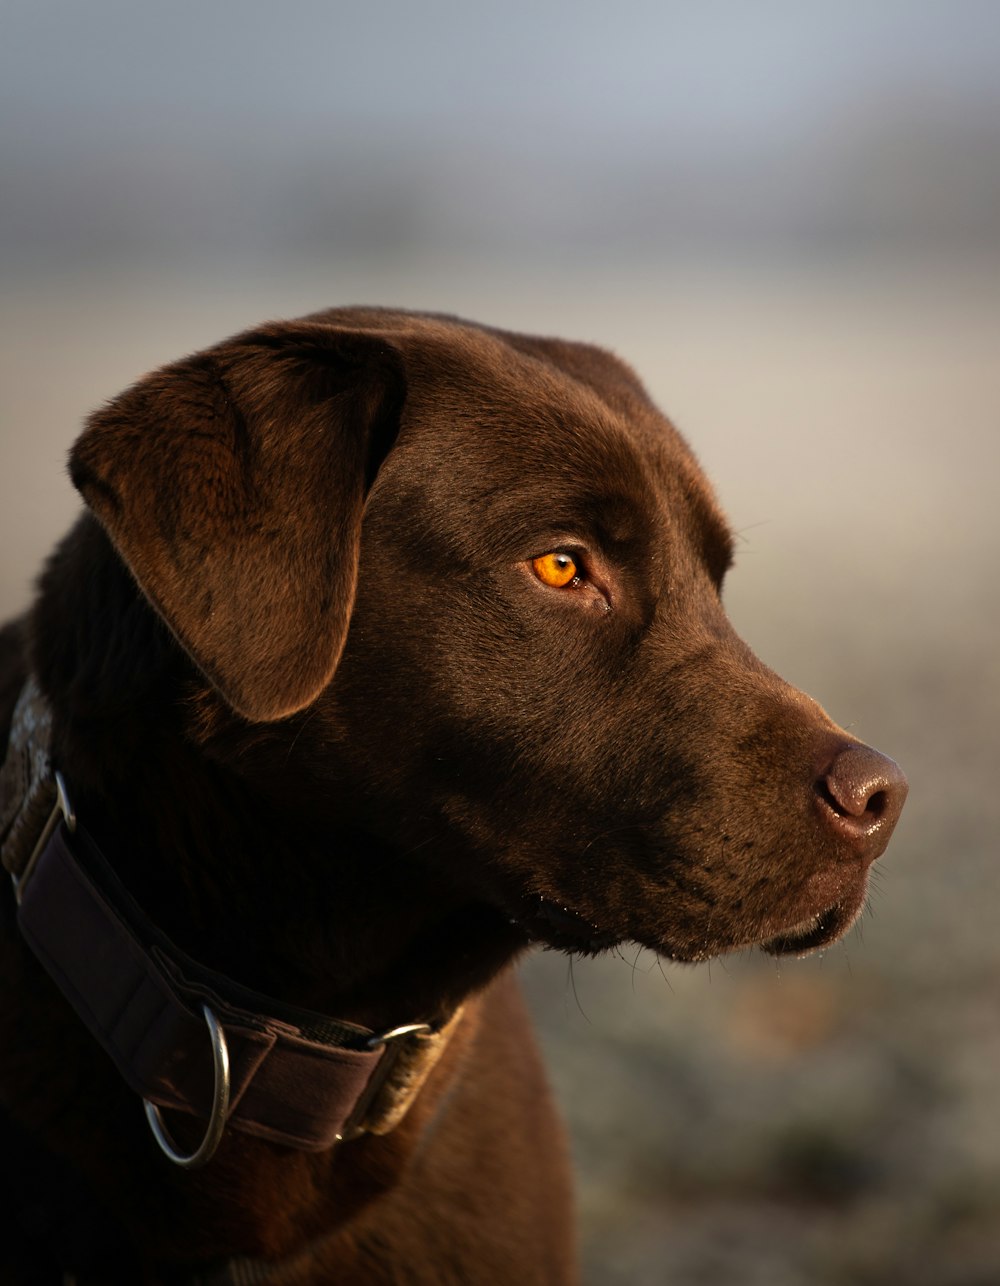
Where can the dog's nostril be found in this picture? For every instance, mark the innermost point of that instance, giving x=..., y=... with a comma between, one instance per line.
x=824, y=792
x=877, y=804
x=862, y=787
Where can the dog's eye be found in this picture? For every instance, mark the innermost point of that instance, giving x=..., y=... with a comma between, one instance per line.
x=556, y=568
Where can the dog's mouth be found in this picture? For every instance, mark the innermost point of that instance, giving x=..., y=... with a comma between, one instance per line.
x=817, y=930
x=549, y=924
x=814, y=932
x=558, y=927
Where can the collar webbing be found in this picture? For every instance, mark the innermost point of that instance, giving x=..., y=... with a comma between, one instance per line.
x=294, y=1077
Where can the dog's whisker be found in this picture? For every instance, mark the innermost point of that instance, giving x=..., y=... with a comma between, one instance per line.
x=305, y=719
x=631, y=827
x=659, y=964
x=572, y=982
x=740, y=532
x=634, y=963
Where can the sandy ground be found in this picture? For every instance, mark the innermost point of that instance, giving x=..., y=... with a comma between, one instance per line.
x=819, y=1122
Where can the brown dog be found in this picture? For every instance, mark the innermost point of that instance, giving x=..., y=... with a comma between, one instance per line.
x=390, y=645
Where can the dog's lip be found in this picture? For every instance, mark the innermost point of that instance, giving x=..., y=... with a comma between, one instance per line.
x=551, y=923
x=554, y=925
x=815, y=931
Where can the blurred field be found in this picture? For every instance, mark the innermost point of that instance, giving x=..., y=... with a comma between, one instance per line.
x=816, y=1123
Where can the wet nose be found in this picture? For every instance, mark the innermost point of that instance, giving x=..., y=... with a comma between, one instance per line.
x=860, y=796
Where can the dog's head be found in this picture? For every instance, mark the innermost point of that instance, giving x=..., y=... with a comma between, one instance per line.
x=470, y=581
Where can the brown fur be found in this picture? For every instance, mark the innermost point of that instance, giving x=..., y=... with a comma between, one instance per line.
x=343, y=745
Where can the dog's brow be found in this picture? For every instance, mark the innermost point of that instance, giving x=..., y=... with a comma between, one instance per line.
x=724, y=544
x=717, y=545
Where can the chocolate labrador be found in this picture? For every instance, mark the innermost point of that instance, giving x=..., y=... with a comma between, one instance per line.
x=387, y=646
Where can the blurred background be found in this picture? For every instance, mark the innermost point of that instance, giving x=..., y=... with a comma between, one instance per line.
x=786, y=215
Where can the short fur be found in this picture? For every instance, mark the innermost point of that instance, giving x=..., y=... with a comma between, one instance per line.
x=343, y=743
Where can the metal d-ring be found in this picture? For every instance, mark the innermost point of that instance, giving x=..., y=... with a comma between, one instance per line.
x=220, y=1106
x=408, y=1029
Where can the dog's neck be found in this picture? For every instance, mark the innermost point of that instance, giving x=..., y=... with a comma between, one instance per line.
x=211, y=831
x=322, y=917
x=317, y=915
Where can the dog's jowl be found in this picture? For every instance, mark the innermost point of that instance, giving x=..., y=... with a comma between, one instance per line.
x=386, y=646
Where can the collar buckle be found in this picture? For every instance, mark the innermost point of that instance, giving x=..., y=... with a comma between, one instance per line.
x=62, y=811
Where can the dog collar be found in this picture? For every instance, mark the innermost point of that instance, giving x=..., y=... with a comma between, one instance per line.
x=183, y=1036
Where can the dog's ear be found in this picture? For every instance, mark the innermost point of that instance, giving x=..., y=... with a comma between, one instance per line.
x=233, y=483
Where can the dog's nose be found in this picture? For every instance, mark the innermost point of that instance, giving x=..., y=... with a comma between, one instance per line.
x=860, y=796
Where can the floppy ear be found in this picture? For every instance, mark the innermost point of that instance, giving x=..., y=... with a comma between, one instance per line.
x=232, y=484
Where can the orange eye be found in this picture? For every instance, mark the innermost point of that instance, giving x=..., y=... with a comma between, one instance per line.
x=556, y=569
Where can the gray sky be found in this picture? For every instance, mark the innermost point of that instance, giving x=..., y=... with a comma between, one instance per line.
x=193, y=122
